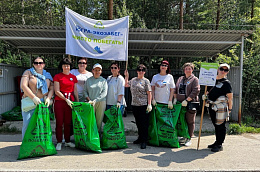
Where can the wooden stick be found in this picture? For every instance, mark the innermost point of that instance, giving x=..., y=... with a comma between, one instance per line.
x=201, y=118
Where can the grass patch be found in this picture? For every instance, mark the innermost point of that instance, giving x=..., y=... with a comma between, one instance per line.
x=237, y=129
x=7, y=130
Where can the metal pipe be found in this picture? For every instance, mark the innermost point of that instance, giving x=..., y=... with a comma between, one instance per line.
x=240, y=80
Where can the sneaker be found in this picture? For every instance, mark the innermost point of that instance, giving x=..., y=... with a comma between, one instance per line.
x=69, y=144
x=58, y=146
x=143, y=145
x=212, y=145
x=188, y=142
x=183, y=140
x=217, y=148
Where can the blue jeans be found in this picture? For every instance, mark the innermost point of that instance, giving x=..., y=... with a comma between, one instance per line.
x=122, y=108
x=26, y=119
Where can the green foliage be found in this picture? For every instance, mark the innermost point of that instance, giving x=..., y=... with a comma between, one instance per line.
x=237, y=129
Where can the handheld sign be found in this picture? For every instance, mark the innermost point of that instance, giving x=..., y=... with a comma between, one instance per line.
x=207, y=77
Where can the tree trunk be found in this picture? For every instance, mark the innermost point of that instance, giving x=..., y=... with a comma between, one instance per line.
x=110, y=10
x=218, y=15
x=252, y=9
x=23, y=21
x=181, y=14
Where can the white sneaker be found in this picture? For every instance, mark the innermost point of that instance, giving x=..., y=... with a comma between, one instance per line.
x=72, y=145
x=58, y=146
x=183, y=140
x=188, y=142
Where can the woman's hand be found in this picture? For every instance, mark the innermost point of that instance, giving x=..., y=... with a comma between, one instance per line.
x=149, y=108
x=170, y=106
x=36, y=100
x=184, y=103
x=69, y=103
x=126, y=73
x=47, y=102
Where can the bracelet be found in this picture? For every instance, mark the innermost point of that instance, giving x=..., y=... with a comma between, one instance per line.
x=229, y=109
x=118, y=102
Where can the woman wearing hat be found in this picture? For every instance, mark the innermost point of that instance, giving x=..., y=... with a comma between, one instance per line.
x=163, y=85
x=95, y=92
x=187, y=90
x=220, y=105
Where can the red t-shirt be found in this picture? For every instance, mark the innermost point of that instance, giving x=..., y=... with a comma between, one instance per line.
x=67, y=83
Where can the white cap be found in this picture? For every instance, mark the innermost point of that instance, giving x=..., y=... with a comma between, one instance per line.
x=224, y=65
x=97, y=65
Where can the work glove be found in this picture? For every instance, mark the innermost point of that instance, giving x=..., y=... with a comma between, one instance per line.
x=204, y=97
x=92, y=102
x=36, y=100
x=69, y=103
x=149, y=108
x=47, y=102
x=184, y=103
x=170, y=106
x=174, y=101
x=118, y=105
x=154, y=102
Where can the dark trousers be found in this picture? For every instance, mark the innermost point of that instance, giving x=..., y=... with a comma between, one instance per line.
x=142, y=122
x=190, y=118
x=220, y=130
x=63, y=115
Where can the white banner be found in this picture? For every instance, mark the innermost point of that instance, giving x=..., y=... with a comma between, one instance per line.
x=99, y=39
x=208, y=74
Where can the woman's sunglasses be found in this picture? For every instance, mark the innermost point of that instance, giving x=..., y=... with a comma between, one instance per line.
x=36, y=63
x=163, y=65
x=82, y=63
x=222, y=69
x=113, y=67
x=141, y=70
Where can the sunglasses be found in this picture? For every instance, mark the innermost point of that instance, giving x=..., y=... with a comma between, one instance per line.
x=163, y=65
x=141, y=70
x=36, y=63
x=222, y=69
x=113, y=67
x=82, y=63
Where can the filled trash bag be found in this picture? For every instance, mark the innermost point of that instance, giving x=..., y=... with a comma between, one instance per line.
x=113, y=131
x=85, y=127
x=37, y=140
x=182, y=126
x=152, y=129
x=13, y=115
x=166, y=120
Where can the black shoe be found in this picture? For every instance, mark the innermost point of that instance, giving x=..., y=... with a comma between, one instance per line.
x=217, y=148
x=212, y=145
x=137, y=141
x=143, y=145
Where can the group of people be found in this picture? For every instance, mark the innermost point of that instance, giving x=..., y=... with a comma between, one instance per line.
x=84, y=86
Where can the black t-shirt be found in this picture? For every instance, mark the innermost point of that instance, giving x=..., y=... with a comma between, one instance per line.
x=221, y=88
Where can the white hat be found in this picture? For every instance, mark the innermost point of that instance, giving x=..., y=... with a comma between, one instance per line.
x=224, y=65
x=97, y=65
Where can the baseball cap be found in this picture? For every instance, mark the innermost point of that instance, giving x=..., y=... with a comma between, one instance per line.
x=224, y=65
x=97, y=65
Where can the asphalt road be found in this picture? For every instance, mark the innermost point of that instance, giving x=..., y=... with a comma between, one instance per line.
x=241, y=153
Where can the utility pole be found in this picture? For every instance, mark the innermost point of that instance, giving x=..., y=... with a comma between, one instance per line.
x=181, y=15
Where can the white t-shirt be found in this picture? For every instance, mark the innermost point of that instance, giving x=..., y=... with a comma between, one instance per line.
x=81, y=81
x=163, y=84
x=116, y=87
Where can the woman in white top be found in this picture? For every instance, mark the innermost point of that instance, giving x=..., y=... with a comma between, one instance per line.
x=82, y=75
x=163, y=85
x=116, y=88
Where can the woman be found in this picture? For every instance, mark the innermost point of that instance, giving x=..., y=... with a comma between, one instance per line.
x=141, y=103
x=163, y=85
x=116, y=88
x=187, y=90
x=36, y=83
x=82, y=75
x=220, y=98
x=95, y=92
x=65, y=86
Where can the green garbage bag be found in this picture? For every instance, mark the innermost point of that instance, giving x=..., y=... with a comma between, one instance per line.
x=37, y=140
x=113, y=130
x=166, y=123
x=85, y=127
x=152, y=129
x=182, y=126
x=13, y=115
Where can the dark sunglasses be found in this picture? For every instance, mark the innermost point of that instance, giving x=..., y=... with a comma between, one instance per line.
x=113, y=67
x=36, y=63
x=222, y=69
x=163, y=65
x=82, y=63
x=141, y=70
